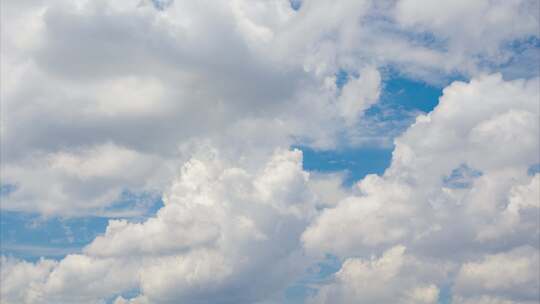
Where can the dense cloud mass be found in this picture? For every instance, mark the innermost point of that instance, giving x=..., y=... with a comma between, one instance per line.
x=200, y=103
x=220, y=229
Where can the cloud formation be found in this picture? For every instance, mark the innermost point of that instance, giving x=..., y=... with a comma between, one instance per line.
x=222, y=225
x=79, y=78
x=429, y=202
x=100, y=98
x=224, y=233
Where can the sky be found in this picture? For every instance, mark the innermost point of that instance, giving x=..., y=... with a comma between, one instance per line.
x=270, y=151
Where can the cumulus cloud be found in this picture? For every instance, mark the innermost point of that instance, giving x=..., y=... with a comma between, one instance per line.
x=224, y=234
x=223, y=225
x=435, y=205
x=501, y=277
x=150, y=77
x=19, y=278
x=454, y=134
x=392, y=278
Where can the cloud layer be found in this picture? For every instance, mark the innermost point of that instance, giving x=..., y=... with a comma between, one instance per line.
x=89, y=80
x=199, y=103
x=431, y=222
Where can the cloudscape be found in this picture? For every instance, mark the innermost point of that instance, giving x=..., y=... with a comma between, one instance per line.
x=270, y=151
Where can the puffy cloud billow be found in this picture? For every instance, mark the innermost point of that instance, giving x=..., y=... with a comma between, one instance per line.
x=224, y=233
x=202, y=104
x=458, y=196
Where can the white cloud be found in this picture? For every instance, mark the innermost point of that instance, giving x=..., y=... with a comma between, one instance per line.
x=224, y=233
x=372, y=222
x=88, y=178
x=472, y=28
x=358, y=94
x=392, y=278
x=328, y=187
x=503, y=277
x=20, y=278
x=427, y=201
x=88, y=73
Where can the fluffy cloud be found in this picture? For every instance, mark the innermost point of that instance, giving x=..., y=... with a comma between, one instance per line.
x=501, y=278
x=223, y=225
x=458, y=181
x=148, y=78
x=224, y=234
x=471, y=121
x=20, y=278
x=88, y=178
x=472, y=28
x=357, y=95
x=392, y=278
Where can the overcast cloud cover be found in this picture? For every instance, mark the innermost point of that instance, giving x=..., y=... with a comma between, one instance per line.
x=206, y=106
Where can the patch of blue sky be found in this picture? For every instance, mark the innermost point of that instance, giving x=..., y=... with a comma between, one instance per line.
x=518, y=58
x=400, y=91
x=295, y=4
x=342, y=77
x=407, y=94
x=401, y=100
x=161, y=5
x=533, y=169
x=30, y=236
x=6, y=189
x=128, y=294
x=306, y=286
x=427, y=39
x=461, y=177
x=135, y=205
x=445, y=294
x=356, y=162
x=521, y=45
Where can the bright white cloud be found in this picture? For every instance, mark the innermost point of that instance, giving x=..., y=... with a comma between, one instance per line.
x=435, y=206
x=358, y=94
x=222, y=229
